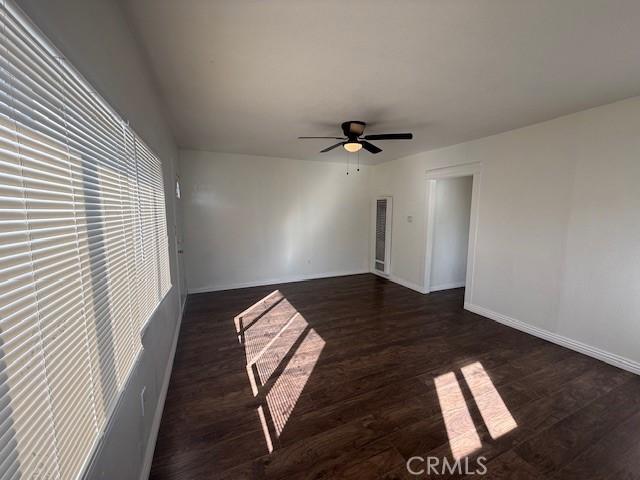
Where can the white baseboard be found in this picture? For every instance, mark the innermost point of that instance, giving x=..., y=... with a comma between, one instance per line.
x=446, y=286
x=608, y=357
x=274, y=281
x=400, y=281
x=157, y=416
x=418, y=288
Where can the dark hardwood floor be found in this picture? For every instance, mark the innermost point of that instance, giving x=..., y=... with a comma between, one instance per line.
x=350, y=377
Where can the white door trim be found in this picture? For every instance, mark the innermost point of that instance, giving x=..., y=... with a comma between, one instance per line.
x=469, y=169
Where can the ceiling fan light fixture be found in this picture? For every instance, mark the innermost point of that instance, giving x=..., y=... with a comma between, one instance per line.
x=352, y=147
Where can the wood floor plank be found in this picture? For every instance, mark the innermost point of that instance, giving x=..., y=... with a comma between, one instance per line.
x=608, y=455
x=554, y=448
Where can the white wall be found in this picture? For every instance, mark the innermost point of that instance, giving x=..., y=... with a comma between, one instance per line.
x=250, y=219
x=558, y=244
x=451, y=233
x=95, y=38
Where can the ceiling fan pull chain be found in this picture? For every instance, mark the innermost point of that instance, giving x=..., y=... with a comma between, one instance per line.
x=347, y=162
x=358, y=160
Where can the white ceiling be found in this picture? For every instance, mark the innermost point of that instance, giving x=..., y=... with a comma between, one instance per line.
x=250, y=76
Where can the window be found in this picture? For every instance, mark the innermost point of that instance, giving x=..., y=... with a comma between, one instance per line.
x=83, y=256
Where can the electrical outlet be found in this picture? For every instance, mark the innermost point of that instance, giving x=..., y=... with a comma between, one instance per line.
x=142, y=400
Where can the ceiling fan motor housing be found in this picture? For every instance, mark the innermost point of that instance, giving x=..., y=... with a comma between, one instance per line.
x=353, y=129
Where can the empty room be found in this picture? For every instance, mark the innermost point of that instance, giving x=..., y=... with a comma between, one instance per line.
x=319, y=239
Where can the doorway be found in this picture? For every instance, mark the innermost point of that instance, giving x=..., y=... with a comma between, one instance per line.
x=452, y=210
x=451, y=233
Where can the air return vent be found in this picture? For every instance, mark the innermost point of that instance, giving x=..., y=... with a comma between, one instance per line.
x=382, y=247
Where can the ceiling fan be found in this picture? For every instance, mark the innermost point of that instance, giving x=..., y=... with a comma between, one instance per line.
x=353, y=139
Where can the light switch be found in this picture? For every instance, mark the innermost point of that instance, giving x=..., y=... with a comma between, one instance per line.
x=410, y=218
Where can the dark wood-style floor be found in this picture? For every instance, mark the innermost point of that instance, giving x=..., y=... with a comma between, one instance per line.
x=350, y=377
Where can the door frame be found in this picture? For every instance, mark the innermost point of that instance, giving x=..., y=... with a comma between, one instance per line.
x=465, y=170
x=388, y=235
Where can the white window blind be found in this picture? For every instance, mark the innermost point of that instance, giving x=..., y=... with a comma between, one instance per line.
x=83, y=256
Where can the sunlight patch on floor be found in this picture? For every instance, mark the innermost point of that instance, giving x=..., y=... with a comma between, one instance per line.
x=463, y=437
x=284, y=394
x=268, y=361
x=265, y=429
x=461, y=430
x=281, y=351
x=493, y=410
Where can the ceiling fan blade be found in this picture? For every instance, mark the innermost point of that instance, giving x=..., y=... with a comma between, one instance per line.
x=332, y=147
x=389, y=136
x=370, y=147
x=334, y=138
